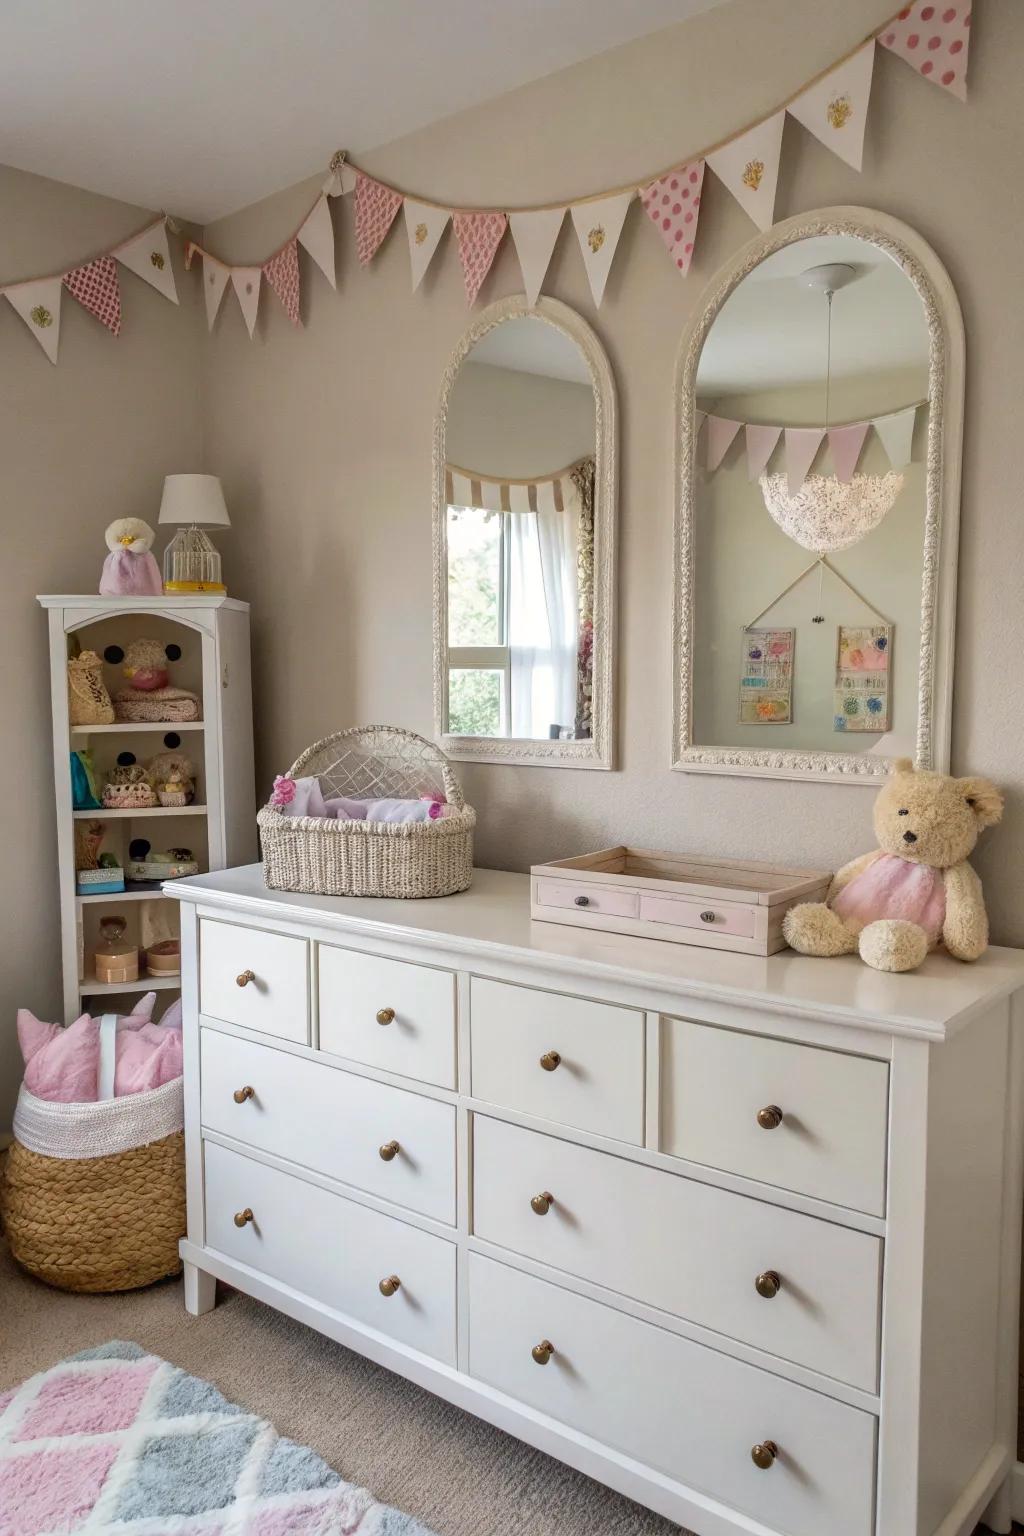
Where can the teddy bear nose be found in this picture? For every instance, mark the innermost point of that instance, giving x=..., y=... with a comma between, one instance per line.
x=910, y=837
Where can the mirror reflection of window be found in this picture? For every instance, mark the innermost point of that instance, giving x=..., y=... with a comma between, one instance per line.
x=519, y=485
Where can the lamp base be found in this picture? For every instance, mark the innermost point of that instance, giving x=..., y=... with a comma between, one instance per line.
x=194, y=586
x=191, y=563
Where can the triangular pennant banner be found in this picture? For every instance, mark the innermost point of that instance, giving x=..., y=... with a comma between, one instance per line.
x=376, y=206
x=720, y=433
x=317, y=236
x=282, y=273
x=424, y=225
x=846, y=444
x=246, y=283
x=478, y=235
x=934, y=40
x=38, y=304
x=897, y=435
x=97, y=289
x=835, y=109
x=598, y=227
x=148, y=256
x=535, y=235
x=672, y=205
x=761, y=443
x=802, y=443
x=215, y=280
x=749, y=167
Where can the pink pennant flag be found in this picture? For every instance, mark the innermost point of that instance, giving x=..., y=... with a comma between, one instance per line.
x=376, y=206
x=760, y=447
x=478, y=236
x=97, y=289
x=846, y=444
x=718, y=435
x=673, y=205
x=934, y=40
x=282, y=273
x=802, y=443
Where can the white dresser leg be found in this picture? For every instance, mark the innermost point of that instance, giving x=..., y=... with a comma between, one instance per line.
x=997, y=1515
x=201, y=1292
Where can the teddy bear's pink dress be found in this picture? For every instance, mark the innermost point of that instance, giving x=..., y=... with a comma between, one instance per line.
x=895, y=888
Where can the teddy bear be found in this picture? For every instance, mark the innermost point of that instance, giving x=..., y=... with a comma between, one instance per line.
x=914, y=891
x=150, y=696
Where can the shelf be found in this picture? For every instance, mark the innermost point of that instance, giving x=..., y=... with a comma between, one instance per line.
x=156, y=894
x=163, y=726
x=136, y=814
x=90, y=987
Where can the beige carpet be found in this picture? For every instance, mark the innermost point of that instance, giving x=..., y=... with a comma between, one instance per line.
x=458, y=1475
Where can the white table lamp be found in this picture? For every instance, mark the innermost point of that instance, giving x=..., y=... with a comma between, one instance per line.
x=191, y=562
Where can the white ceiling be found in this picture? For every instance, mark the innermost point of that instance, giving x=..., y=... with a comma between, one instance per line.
x=771, y=331
x=531, y=346
x=203, y=106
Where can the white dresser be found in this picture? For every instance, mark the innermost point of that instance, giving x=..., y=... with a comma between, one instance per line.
x=738, y=1237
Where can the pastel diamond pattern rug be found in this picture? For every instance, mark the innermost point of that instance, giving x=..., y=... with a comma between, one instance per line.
x=117, y=1440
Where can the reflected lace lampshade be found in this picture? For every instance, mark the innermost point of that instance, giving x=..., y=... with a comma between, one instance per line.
x=827, y=513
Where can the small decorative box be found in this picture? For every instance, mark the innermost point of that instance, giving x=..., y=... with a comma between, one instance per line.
x=99, y=882
x=686, y=898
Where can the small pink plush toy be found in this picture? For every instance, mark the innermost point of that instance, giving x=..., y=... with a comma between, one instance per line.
x=130, y=569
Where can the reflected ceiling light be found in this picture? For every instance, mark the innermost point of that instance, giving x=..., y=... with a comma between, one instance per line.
x=826, y=512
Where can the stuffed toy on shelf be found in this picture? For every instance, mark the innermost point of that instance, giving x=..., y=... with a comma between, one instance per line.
x=914, y=891
x=150, y=696
x=130, y=569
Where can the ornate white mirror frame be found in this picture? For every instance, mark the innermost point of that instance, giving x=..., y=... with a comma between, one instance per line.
x=945, y=428
x=599, y=749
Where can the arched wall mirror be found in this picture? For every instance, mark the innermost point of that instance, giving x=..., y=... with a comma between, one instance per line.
x=820, y=396
x=524, y=542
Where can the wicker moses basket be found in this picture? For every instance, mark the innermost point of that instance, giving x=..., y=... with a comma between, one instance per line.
x=324, y=857
x=93, y=1197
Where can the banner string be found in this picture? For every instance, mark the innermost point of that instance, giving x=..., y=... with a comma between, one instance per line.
x=110, y=250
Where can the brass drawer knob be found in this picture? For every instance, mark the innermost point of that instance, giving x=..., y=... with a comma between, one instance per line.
x=550, y=1060
x=389, y=1285
x=390, y=1150
x=241, y=1094
x=245, y=978
x=242, y=1218
x=769, y=1284
x=542, y=1203
x=707, y=917
x=770, y=1117
x=385, y=1015
x=543, y=1351
x=764, y=1454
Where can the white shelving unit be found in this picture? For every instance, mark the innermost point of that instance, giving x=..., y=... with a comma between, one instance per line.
x=213, y=633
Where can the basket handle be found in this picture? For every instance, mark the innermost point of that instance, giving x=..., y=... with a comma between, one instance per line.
x=108, y=1055
x=452, y=787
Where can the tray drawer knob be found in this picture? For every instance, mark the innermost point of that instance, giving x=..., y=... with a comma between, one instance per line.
x=707, y=917
x=769, y=1118
x=543, y=1351
x=582, y=901
x=550, y=1060
x=763, y=1454
x=768, y=1284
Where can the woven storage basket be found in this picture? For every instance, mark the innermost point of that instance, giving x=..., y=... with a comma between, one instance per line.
x=323, y=857
x=93, y=1197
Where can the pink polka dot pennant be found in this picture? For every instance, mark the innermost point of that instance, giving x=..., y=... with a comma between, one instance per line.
x=673, y=207
x=934, y=39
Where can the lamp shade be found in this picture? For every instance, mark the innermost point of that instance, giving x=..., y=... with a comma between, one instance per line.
x=195, y=499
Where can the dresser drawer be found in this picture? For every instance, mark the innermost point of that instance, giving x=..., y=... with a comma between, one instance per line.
x=332, y=1121
x=683, y=1246
x=720, y=1097
x=605, y=901
x=575, y=1062
x=388, y=1013
x=332, y=1250
x=673, y=1405
x=253, y=978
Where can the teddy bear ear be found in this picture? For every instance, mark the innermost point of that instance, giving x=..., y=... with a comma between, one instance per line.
x=172, y=652
x=114, y=655
x=984, y=799
x=125, y=759
x=901, y=765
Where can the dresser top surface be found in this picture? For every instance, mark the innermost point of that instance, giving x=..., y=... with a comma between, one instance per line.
x=493, y=919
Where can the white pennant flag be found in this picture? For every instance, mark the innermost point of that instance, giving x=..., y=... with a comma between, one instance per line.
x=761, y=442
x=598, y=227
x=897, y=435
x=535, y=235
x=835, y=109
x=38, y=304
x=246, y=283
x=148, y=256
x=317, y=236
x=215, y=280
x=424, y=225
x=802, y=444
x=749, y=167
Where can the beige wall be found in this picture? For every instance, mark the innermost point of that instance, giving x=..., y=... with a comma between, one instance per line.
x=324, y=435
x=505, y=422
x=80, y=444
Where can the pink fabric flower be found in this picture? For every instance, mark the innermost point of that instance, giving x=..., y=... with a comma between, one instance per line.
x=283, y=792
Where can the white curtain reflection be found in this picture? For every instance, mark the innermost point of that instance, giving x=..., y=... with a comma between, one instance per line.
x=542, y=620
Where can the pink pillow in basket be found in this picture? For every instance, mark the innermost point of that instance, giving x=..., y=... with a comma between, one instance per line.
x=63, y=1065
